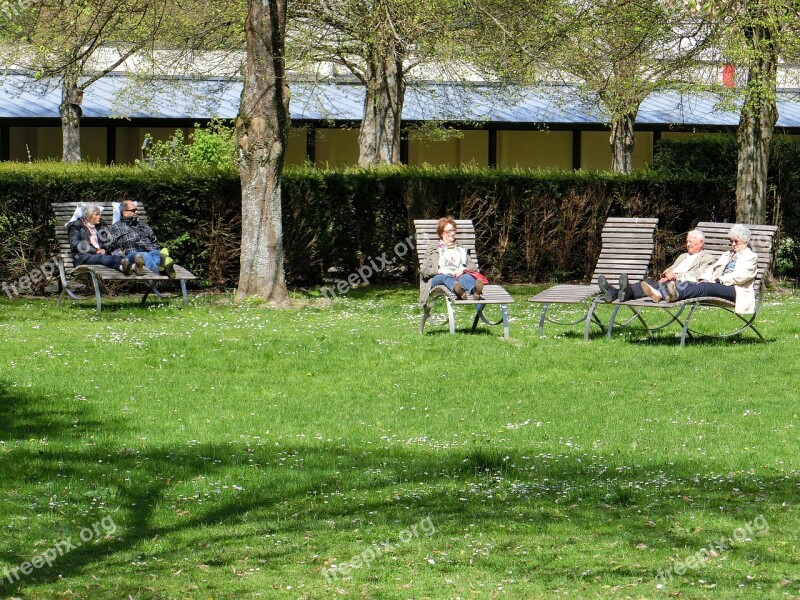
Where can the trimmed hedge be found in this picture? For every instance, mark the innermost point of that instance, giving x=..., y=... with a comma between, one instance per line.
x=532, y=225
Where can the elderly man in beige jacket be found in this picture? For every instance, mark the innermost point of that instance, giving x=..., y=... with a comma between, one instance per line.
x=687, y=267
x=730, y=278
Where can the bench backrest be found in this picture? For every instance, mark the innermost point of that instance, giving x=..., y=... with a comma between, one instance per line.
x=627, y=248
x=762, y=242
x=425, y=236
x=64, y=212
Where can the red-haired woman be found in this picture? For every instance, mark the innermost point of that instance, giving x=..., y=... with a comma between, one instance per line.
x=446, y=262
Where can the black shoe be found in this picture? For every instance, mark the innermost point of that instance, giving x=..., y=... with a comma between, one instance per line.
x=605, y=287
x=476, y=293
x=459, y=291
x=625, y=291
x=125, y=266
x=139, y=265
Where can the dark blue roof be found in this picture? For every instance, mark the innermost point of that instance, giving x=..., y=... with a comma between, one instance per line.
x=195, y=99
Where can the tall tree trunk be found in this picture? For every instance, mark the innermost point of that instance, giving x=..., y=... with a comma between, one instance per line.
x=70, y=111
x=379, y=137
x=622, y=141
x=262, y=130
x=756, y=127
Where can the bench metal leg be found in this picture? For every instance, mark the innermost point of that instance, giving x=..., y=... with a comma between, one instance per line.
x=479, y=316
x=613, y=318
x=451, y=317
x=185, y=294
x=61, y=294
x=685, y=329
x=98, y=298
x=637, y=314
x=542, y=318
x=63, y=285
x=426, y=312
x=591, y=318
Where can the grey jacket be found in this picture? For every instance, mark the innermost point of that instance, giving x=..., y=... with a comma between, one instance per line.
x=430, y=268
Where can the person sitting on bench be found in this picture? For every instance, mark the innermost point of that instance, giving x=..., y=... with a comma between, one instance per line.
x=687, y=267
x=730, y=278
x=138, y=242
x=449, y=264
x=89, y=241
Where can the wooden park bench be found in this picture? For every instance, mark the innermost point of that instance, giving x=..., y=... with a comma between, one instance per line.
x=762, y=243
x=426, y=236
x=627, y=247
x=98, y=273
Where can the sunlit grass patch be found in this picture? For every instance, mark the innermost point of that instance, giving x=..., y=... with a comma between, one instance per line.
x=245, y=450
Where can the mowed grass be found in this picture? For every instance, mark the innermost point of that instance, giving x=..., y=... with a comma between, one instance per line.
x=332, y=451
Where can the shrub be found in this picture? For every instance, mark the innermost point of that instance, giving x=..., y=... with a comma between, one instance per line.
x=213, y=146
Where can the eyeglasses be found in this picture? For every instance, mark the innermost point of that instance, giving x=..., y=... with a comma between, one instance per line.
x=734, y=242
x=133, y=210
x=453, y=231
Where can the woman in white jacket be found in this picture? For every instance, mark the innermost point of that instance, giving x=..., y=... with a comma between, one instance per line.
x=731, y=277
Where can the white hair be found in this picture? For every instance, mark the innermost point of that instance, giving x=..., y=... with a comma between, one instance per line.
x=696, y=233
x=740, y=232
x=91, y=209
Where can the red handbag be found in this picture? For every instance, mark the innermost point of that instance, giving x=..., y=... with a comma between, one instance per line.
x=478, y=276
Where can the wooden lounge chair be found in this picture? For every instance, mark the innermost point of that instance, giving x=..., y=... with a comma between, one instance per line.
x=627, y=248
x=762, y=243
x=98, y=273
x=492, y=294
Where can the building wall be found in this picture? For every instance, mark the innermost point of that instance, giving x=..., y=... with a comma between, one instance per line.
x=596, y=150
x=336, y=147
x=468, y=148
x=534, y=149
x=34, y=143
x=339, y=147
x=296, y=147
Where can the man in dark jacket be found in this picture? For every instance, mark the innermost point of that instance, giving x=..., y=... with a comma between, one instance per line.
x=138, y=242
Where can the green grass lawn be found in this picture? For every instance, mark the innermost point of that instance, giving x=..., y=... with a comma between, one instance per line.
x=333, y=451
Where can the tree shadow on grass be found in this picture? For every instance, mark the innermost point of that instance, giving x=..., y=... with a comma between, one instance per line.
x=482, y=330
x=704, y=341
x=364, y=494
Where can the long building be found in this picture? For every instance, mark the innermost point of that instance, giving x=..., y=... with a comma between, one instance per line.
x=484, y=125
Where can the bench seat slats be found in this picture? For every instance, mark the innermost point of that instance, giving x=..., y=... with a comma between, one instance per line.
x=627, y=247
